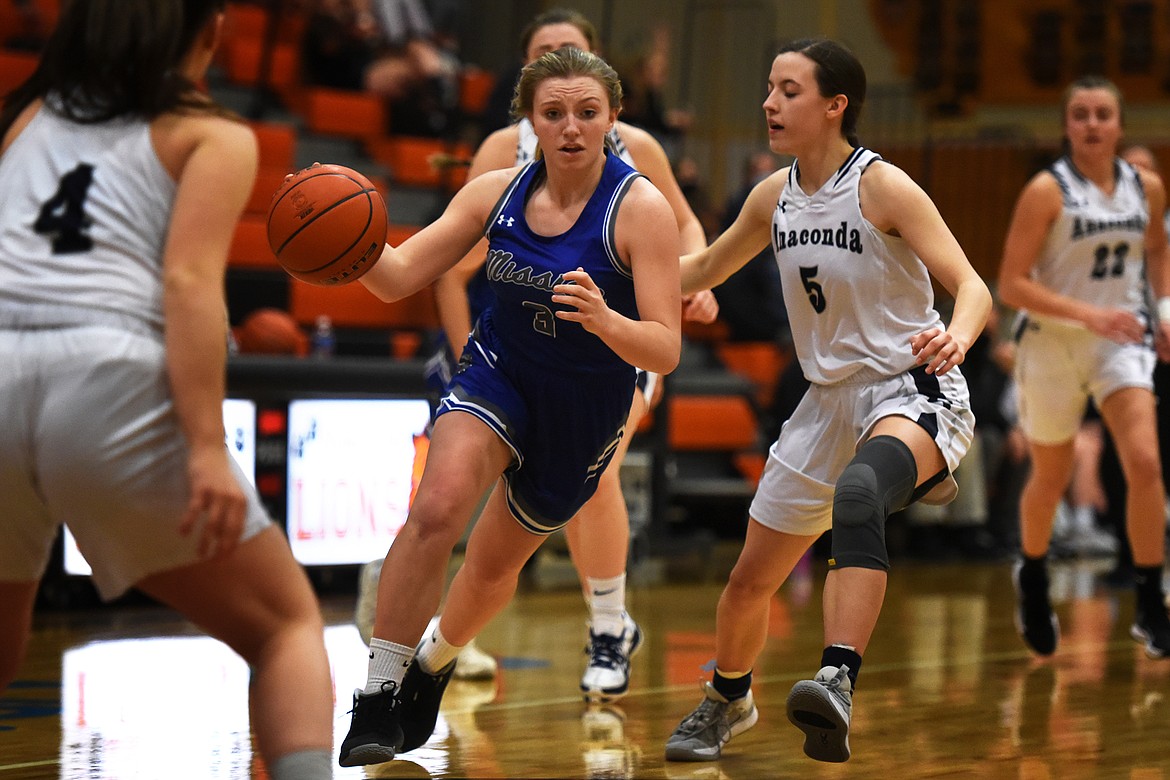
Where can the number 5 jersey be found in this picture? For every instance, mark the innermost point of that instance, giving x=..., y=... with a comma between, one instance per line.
x=854, y=294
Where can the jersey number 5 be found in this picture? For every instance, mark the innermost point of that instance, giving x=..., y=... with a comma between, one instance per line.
x=63, y=215
x=816, y=293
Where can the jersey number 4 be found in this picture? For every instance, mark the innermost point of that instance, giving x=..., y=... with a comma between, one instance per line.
x=63, y=215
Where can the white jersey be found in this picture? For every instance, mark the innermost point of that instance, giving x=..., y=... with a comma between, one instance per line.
x=526, y=145
x=98, y=202
x=855, y=295
x=1095, y=250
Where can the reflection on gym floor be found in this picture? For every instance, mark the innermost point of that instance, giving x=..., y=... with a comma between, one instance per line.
x=947, y=687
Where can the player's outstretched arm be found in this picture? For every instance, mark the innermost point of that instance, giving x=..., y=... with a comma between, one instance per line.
x=434, y=250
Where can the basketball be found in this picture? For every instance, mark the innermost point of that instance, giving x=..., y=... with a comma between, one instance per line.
x=271, y=332
x=327, y=225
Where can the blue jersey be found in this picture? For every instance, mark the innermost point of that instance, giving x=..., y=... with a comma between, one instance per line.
x=523, y=267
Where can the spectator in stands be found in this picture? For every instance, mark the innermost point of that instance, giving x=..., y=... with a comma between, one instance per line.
x=750, y=301
x=389, y=48
x=644, y=79
x=1084, y=237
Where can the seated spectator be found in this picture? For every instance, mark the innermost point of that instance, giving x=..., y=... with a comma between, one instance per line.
x=643, y=81
x=750, y=301
x=389, y=48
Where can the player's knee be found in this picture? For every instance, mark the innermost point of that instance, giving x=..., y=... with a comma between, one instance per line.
x=878, y=481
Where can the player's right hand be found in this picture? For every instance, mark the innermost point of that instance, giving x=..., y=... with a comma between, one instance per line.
x=217, y=505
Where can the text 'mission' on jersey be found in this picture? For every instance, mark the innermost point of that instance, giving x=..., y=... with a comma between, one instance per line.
x=523, y=267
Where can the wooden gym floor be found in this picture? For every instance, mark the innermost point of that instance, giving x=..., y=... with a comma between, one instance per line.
x=947, y=690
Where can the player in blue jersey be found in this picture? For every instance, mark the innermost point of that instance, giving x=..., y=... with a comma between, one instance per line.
x=598, y=537
x=1085, y=241
x=122, y=183
x=583, y=267
x=886, y=419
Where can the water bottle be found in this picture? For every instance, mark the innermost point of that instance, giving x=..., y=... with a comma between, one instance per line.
x=324, y=340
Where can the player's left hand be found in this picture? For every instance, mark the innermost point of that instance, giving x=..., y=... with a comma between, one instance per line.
x=938, y=350
x=700, y=307
x=579, y=291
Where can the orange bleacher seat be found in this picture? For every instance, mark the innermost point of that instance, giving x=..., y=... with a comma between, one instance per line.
x=245, y=20
x=711, y=422
x=278, y=144
x=475, y=87
x=268, y=181
x=242, y=61
x=12, y=24
x=15, y=68
x=249, y=248
x=396, y=234
x=346, y=113
x=412, y=160
x=714, y=332
x=758, y=361
x=353, y=306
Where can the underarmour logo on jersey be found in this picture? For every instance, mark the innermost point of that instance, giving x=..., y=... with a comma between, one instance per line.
x=505, y=221
x=783, y=207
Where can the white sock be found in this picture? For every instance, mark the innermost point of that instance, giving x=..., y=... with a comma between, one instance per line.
x=388, y=661
x=435, y=652
x=302, y=765
x=607, y=604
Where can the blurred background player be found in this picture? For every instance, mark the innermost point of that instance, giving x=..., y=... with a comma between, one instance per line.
x=1085, y=236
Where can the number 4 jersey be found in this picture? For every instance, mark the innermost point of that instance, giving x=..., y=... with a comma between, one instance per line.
x=855, y=295
x=84, y=217
x=1095, y=250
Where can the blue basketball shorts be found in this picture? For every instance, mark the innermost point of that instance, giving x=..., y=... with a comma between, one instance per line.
x=562, y=427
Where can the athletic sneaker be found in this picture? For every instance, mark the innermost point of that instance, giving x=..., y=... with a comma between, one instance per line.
x=422, y=693
x=1035, y=620
x=475, y=664
x=702, y=734
x=607, y=677
x=1152, y=626
x=375, y=733
x=820, y=707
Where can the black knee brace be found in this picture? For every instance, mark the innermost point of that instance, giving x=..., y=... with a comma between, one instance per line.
x=877, y=482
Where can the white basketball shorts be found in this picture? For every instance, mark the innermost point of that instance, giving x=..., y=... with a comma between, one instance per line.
x=795, y=494
x=90, y=439
x=1060, y=367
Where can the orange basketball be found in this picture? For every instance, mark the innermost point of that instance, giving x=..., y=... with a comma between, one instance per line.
x=327, y=225
x=271, y=332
